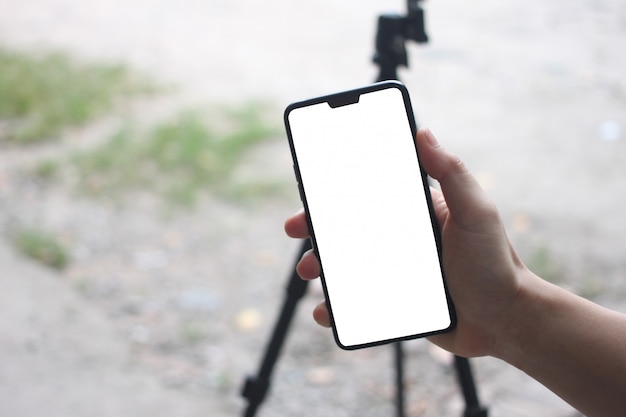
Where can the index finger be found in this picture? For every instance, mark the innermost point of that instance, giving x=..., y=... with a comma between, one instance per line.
x=296, y=226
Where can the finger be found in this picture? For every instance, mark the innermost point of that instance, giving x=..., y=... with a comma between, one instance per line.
x=464, y=197
x=321, y=315
x=296, y=226
x=439, y=204
x=308, y=267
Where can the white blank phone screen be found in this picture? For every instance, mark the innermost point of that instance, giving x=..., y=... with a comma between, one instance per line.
x=373, y=231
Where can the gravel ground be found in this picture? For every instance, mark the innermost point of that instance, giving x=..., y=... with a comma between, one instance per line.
x=165, y=314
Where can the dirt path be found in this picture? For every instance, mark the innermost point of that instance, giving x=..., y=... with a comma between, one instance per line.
x=163, y=315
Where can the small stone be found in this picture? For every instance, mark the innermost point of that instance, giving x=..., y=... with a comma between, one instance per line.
x=521, y=223
x=266, y=259
x=248, y=319
x=322, y=375
x=150, y=260
x=610, y=131
x=140, y=334
x=198, y=300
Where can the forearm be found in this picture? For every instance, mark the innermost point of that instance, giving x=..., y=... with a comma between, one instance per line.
x=574, y=347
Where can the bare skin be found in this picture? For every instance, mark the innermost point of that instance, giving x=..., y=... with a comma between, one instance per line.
x=573, y=346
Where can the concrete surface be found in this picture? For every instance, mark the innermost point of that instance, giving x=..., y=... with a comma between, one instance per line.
x=531, y=95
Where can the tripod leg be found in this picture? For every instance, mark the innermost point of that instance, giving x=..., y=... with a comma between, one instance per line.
x=466, y=381
x=399, y=365
x=257, y=386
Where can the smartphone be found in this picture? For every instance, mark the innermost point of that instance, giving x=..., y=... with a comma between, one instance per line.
x=370, y=215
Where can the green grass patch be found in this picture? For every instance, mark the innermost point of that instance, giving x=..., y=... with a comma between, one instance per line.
x=544, y=263
x=193, y=332
x=41, y=94
x=43, y=247
x=177, y=159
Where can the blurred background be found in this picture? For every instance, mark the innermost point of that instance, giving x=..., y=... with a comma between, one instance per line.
x=145, y=178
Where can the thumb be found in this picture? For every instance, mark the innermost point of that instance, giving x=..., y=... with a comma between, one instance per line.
x=465, y=198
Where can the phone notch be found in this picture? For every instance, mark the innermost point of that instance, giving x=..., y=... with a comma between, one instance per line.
x=343, y=99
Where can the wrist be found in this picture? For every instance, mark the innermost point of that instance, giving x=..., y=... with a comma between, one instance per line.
x=571, y=345
x=525, y=319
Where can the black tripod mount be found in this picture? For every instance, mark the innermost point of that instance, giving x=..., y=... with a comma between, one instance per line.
x=392, y=34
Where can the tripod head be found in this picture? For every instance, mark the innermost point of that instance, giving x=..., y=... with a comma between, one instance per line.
x=393, y=32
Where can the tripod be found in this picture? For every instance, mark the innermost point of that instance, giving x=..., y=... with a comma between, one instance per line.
x=392, y=34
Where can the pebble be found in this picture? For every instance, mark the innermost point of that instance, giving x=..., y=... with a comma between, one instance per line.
x=322, y=375
x=198, y=300
x=610, y=131
x=248, y=319
x=148, y=260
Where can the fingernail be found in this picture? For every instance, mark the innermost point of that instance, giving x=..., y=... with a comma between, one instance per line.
x=432, y=141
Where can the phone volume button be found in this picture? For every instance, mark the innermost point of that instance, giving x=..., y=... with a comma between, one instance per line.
x=301, y=192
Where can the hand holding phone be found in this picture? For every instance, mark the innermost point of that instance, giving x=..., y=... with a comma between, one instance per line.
x=369, y=212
